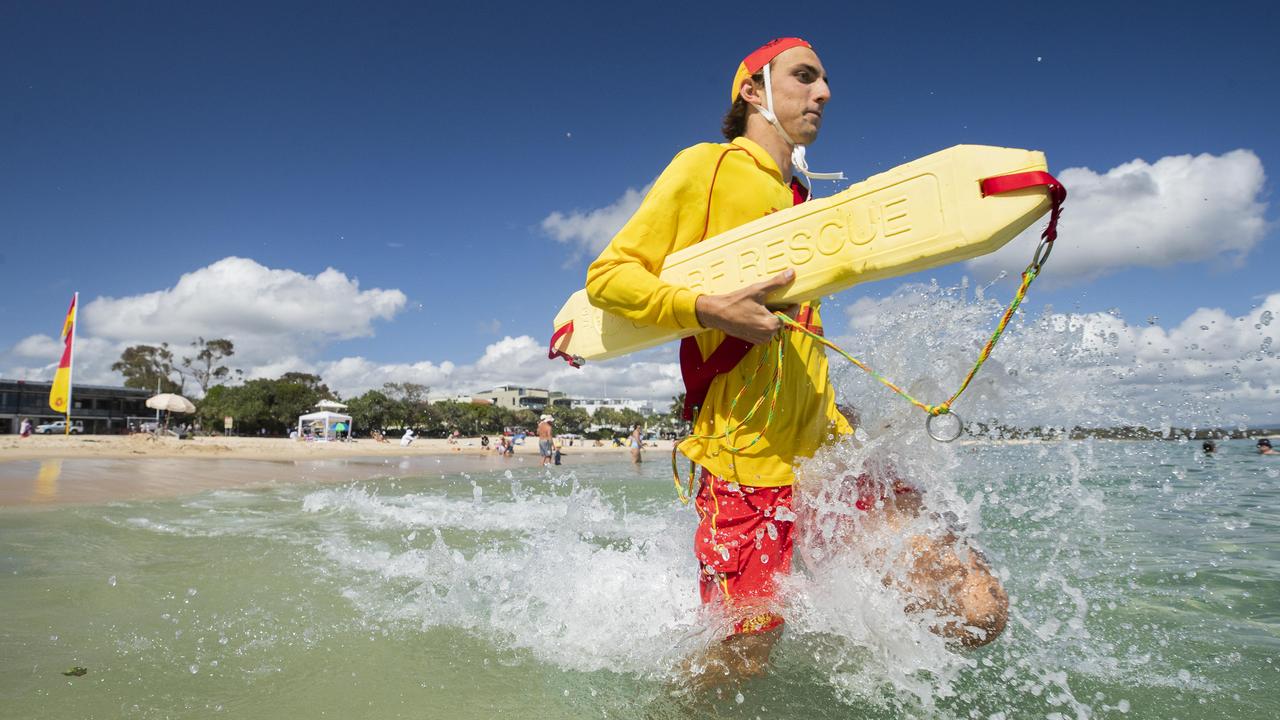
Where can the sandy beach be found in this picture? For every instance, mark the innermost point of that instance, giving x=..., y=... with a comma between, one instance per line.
x=56, y=470
x=42, y=447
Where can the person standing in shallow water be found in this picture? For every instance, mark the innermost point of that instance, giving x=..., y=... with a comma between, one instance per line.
x=636, y=443
x=545, y=437
x=1264, y=447
x=779, y=96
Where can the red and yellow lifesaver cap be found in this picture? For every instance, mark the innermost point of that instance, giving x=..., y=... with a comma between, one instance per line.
x=762, y=56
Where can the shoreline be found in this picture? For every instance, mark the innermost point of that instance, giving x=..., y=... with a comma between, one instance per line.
x=48, y=447
x=47, y=472
x=51, y=471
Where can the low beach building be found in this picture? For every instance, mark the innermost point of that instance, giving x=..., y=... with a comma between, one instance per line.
x=517, y=397
x=100, y=409
x=644, y=407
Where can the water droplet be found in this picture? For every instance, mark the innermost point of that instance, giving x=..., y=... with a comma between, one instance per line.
x=194, y=668
x=111, y=581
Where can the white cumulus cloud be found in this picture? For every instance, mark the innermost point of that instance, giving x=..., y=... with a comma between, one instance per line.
x=1063, y=369
x=1183, y=208
x=277, y=318
x=265, y=311
x=518, y=360
x=588, y=231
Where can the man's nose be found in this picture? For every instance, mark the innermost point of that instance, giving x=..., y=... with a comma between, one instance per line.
x=822, y=92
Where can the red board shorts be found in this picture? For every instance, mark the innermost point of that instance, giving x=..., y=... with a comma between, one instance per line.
x=744, y=541
x=741, y=545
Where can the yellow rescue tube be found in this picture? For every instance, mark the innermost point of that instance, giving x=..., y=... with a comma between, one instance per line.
x=920, y=215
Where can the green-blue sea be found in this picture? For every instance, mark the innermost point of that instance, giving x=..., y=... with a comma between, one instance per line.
x=1144, y=580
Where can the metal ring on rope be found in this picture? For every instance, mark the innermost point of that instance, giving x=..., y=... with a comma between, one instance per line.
x=1042, y=254
x=928, y=427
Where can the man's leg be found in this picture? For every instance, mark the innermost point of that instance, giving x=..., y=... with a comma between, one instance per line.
x=950, y=577
x=741, y=547
x=946, y=574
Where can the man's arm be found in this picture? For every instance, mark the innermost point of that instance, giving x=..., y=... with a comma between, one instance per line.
x=624, y=279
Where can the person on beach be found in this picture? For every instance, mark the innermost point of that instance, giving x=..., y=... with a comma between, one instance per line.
x=26, y=428
x=1264, y=447
x=637, y=442
x=545, y=436
x=745, y=534
x=407, y=438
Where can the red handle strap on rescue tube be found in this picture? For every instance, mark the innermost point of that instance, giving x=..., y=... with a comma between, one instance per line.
x=1001, y=184
x=553, y=353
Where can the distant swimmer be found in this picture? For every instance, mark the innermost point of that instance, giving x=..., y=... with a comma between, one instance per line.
x=1209, y=447
x=1264, y=447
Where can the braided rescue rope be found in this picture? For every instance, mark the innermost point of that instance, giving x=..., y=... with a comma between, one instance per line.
x=990, y=186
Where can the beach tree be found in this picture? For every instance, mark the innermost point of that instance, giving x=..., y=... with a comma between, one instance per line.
x=249, y=407
x=204, y=366
x=286, y=400
x=630, y=418
x=570, y=420
x=312, y=383
x=372, y=410
x=524, y=417
x=448, y=416
x=607, y=417
x=676, y=410
x=150, y=367
x=408, y=403
x=486, y=418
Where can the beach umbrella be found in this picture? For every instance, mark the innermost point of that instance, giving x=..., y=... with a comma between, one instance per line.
x=170, y=403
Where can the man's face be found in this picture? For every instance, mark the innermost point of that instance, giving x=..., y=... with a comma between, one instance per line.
x=800, y=93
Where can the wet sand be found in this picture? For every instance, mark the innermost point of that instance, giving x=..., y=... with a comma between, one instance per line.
x=57, y=470
x=44, y=447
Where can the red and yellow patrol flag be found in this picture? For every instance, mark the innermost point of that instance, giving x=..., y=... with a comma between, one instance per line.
x=60, y=393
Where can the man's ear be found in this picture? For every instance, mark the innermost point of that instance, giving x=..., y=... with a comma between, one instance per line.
x=749, y=92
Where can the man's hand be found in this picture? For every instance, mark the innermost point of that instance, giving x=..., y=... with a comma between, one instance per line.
x=742, y=313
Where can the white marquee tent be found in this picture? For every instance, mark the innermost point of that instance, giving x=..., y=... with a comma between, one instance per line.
x=334, y=425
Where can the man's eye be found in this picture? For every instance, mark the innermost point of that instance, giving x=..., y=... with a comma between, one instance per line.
x=805, y=76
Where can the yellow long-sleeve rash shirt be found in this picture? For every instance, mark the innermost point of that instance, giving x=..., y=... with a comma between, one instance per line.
x=706, y=190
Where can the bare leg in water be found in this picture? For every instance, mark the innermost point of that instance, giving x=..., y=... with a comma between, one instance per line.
x=737, y=657
x=945, y=574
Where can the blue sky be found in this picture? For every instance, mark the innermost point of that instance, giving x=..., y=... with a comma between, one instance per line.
x=420, y=149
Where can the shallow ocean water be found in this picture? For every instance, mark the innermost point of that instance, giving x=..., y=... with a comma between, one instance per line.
x=1143, y=581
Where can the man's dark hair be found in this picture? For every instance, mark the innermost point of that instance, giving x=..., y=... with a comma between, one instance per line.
x=734, y=123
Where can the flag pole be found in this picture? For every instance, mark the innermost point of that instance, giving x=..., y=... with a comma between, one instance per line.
x=71, y=366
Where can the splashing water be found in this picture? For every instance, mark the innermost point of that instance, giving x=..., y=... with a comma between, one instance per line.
x=1140, y=575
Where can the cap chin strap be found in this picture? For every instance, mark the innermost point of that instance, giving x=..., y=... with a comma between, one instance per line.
x=797, y=151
